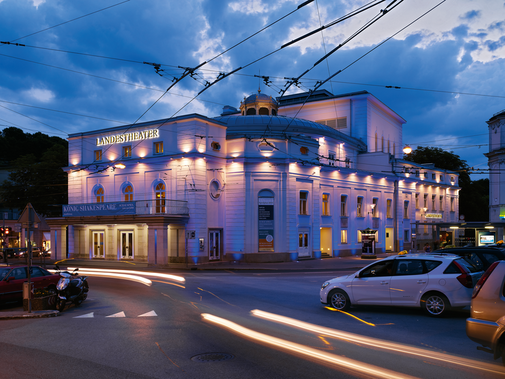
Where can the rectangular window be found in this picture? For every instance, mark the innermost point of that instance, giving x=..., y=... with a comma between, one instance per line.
x=452, y=204
x=359, y=207
x=389, y=214
x=331, y=158
x=405, y=209
x=406, y=235
x=127, y=151
x=158, y=148
x=326, y=204
x=375, y=205
x=425, y=201
x=433, y=202
x=433, y=176
x=417, y=201
x=441, y=178
x=303, y=202
x=359, y=236
x=343, y=236
x=441, y=208
x=98, y=155
x=343, y=206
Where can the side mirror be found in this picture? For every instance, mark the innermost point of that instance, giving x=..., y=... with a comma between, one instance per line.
x=10, y=278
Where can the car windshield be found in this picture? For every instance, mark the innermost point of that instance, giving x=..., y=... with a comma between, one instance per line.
x=3, y=272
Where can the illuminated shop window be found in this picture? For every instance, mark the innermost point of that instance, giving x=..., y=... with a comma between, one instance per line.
x=343, y=236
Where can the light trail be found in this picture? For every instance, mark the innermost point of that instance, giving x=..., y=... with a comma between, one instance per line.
x=134, y=278
x=379, y=344
x=346, y=363
x=348, y=314
x=145, y=273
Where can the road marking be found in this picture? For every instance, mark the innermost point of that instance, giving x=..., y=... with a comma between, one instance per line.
x=87, y=315
x=149, y=314
x=119, y=314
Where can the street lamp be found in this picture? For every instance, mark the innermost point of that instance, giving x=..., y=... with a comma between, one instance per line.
x=407, y=149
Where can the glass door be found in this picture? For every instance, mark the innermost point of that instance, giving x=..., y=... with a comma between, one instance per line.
x=303, y=243
x=126, y=245
x=98, y=245
x=214, y=244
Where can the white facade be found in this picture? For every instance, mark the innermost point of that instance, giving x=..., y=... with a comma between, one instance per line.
x=496, y=162
x=254, y=184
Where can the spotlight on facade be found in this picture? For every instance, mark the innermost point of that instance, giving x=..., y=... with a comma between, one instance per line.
x=120, y=165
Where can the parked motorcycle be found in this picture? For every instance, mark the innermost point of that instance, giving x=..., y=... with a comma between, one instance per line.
x=71, y=288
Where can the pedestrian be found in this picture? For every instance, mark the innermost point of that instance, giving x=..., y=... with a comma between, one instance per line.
x=427, y=248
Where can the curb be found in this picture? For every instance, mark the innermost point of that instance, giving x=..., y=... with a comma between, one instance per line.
x=23, y=314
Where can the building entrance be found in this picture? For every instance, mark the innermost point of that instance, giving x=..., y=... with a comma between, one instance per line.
x=214, y=245
x=98, y=244
x=126, y=245
x=303, y=243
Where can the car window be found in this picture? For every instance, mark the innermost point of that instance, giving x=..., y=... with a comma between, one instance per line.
x=477, y=262
x=35, y=272
x=19, y=273
x=468, y=265
x=45, y=272
x=382, y=268
x=490, y=258
x=431, y=265
x=409, y=267
x=3, y=272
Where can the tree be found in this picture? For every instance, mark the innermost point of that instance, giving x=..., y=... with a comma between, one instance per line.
x=36, y=176
x=474, y=196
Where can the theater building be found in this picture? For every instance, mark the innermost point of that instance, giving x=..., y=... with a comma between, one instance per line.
x=270, y=181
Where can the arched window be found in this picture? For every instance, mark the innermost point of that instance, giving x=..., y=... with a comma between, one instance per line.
x=160, y=194
x=264, y=111
x=382, y=143
x=128, y=193
x=375, y=141
x=251, y=112
x=99, y=194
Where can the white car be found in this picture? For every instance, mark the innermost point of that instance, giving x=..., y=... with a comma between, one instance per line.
x=435, y=282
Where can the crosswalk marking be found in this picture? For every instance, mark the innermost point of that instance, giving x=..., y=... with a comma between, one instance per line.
x=87, y=315
x=119, y=314
x=149, y=314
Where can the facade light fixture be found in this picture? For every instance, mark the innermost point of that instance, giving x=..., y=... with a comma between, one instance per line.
x=407, y=149
x=120, y=165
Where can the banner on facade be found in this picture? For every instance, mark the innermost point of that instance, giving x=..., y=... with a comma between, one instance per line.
x=99, y=209
x=266, y=224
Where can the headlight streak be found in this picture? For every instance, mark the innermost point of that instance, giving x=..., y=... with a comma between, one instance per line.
x=348, y=314
x=172, y=284
x=133, y=278
x=377, y=343
x=144, y=273
x=346, y=363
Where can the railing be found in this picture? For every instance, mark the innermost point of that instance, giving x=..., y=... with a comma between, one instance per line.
x=162, y=206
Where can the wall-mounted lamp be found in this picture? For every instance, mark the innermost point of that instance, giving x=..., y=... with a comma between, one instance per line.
x=407, y=149
x=372, y=206
x=120, y=165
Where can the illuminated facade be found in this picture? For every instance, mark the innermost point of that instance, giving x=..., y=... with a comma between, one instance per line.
x=271, y=181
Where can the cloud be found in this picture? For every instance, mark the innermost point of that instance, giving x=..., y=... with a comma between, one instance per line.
x=36, y=3
x=42, y=95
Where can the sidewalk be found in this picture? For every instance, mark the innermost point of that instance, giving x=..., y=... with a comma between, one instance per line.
x=336, y=264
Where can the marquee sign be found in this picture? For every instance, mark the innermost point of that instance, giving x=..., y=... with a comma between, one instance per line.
x=434, y=215
x=99, y=209
x=128, y=137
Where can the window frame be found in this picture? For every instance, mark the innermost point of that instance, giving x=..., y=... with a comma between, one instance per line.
x=98, y=155
x=343, y=206
x=325, y=209
x=158, y=148
x=303, y=208
x=359, y=206
x=127, y=151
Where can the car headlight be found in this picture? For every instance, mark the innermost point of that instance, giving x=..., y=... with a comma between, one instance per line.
x=325, y=284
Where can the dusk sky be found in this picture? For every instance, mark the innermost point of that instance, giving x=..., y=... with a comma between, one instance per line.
x=449, y=64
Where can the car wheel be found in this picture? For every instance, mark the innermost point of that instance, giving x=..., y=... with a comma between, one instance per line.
x=339, y=300
x=435, y=304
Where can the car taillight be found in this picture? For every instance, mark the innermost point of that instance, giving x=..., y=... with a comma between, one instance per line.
x=465, y=278
x=483, y=279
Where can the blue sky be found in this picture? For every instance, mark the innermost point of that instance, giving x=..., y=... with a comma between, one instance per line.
x=456, y=50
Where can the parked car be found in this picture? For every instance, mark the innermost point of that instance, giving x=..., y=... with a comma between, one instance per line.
x=11, y=252
x=12, y=279
x=481, y=256
x=486, y=326
x=433, y=282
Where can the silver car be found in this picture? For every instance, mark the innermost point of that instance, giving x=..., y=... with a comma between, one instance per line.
x=433, y=282
x=487, y=323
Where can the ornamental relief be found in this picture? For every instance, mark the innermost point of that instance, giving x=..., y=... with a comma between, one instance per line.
x=495, y=125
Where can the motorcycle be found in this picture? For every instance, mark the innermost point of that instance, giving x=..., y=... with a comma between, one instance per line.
x=71, y=288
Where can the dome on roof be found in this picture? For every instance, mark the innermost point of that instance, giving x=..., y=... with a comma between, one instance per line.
x=259, y=104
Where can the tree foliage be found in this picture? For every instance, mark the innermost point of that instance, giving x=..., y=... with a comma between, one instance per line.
x=474, y=195
x=36, y=176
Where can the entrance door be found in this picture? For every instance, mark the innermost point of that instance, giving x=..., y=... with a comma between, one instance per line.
x=126, y=245
x=98, y=245
x=214, y=244
x=326, y=245
x=303, y=243
x=389, y=239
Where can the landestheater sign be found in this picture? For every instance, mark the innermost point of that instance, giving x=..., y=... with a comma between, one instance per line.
x=128, y=137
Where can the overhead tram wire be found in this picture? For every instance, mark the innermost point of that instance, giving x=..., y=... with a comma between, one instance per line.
x=31, y=118
x=74, y=19
x=191, y=71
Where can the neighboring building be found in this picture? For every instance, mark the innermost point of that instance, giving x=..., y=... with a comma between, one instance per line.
x=496, y=162
x=269, y=182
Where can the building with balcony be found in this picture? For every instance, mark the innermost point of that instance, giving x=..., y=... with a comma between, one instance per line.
x=273, y=180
